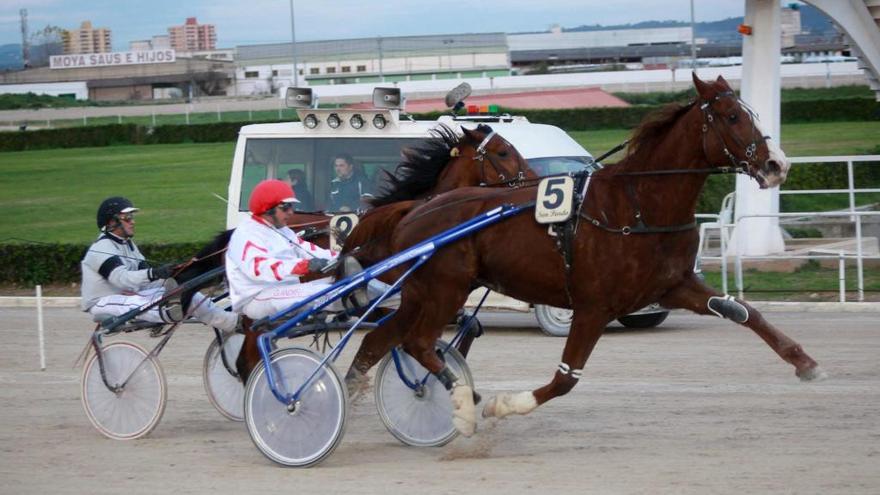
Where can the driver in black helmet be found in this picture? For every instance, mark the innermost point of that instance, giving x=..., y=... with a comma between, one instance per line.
x=116, y=278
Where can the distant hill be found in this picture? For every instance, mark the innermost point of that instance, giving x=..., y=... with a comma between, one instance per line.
x=10, y=57
x=813, y=21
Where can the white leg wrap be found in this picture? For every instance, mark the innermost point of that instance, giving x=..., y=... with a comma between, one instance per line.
x=464, y=414
x=507, y=404
x=566, y=370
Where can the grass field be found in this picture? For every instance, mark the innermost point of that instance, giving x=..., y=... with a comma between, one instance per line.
x=51, y=195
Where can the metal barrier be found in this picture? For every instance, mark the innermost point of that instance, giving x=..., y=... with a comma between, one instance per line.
x=721, y=221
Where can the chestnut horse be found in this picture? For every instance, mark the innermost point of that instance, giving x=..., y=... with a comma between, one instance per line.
x=633, y=243
x=444, y=162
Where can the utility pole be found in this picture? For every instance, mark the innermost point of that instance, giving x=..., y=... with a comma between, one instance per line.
x=25, y=49
x=381, y=73
x=293, y=46
x=693, y=44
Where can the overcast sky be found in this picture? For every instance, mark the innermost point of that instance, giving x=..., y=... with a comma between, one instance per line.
x=266, y=21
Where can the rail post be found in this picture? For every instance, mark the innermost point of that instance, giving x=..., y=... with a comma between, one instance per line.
x=40, y=328
x=841, y=272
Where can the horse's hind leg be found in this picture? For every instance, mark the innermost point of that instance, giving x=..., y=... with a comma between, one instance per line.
x=586, y=328
x=694, y=295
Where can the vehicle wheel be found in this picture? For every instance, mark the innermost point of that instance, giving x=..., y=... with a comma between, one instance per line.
x=309, y=433
x=647, y=320
x=423, y=418
x=553, y=321
x=136, y=409
x=225, y=391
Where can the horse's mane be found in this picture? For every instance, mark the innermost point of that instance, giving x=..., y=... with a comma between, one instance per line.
x=653, y=129
x=419, y=169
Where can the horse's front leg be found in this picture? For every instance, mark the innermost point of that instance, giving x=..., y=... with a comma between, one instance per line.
x=694, y=295
x=586, y=328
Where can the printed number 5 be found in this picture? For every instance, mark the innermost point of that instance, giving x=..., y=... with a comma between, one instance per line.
x=553, y=193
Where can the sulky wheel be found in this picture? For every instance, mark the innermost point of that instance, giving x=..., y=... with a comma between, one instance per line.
x=225, y=390
x=420, y=417
x=305, y=433
x=136, y=405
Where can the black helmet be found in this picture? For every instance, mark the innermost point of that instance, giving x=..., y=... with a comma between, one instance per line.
x=111, y=207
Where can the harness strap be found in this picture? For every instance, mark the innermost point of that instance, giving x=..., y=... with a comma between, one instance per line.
x=639, y=228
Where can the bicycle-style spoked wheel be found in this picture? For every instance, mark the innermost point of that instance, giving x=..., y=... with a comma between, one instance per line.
x=225, y=390
x=421, y=417
x=134, y=409
x=307, y=432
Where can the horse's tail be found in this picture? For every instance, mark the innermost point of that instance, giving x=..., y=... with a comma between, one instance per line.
x=206, y=259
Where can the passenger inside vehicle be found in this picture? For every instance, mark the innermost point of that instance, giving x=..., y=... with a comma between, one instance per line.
x=297, y=180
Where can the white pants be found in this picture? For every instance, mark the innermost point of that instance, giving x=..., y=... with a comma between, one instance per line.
x=272, y=300
x=204, y=310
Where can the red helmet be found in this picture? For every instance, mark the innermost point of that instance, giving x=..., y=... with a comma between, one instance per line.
x=270, y=193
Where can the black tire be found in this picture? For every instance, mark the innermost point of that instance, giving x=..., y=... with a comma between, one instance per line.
x=647, y=320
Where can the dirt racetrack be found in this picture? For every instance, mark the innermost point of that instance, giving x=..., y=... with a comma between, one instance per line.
x=697, y=406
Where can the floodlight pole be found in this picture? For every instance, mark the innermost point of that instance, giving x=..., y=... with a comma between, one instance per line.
x=693, y=44
x=293, y=46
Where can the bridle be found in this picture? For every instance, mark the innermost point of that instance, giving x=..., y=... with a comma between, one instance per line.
x=709, y=122
x=481, y=154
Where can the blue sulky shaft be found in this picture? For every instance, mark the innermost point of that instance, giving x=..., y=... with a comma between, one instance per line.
x=420, y=253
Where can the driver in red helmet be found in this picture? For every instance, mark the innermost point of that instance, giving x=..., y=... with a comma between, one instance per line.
x=266, y=259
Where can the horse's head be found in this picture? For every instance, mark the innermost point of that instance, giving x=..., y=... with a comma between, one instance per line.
x=732, y=136
x=486, y=158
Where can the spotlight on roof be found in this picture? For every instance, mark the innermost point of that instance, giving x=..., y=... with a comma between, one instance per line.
x=356, y=121
x=334, y=121
x=311, y=121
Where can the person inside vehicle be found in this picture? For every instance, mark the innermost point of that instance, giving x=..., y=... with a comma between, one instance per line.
x=297, y=180
x=116, y=278
x=350, y=187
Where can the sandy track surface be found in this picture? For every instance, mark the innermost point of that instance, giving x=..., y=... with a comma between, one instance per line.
x=697, y=406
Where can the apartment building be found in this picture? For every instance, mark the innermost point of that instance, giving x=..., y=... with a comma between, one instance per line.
x=86, y=39
x=192, y=36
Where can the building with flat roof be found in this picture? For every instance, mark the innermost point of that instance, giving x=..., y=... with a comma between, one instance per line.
x=180, y=78
x=192, y=36
x=86, y=39
x=263, y=69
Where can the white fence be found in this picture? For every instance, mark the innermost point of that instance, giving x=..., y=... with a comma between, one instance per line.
x=724, y=223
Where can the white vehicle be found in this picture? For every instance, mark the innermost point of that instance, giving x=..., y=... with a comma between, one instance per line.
x=374, y=139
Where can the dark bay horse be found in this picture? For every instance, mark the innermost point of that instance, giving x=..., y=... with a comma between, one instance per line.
x=444, y=162
x=634, y=243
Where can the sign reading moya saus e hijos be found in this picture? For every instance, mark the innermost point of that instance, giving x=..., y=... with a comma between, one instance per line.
x=79, y=60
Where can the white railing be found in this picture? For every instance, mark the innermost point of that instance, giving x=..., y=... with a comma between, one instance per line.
x=722, y=222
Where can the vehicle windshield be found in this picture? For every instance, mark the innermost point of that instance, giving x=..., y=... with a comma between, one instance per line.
x=561, y=164
x=326, y=174
x=338, y=174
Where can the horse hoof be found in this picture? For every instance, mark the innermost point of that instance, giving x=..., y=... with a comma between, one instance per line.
x=489, y=408
x=463, y=411
x=814, y=374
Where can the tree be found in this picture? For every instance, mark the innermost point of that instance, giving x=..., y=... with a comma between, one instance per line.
x=45, y=43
